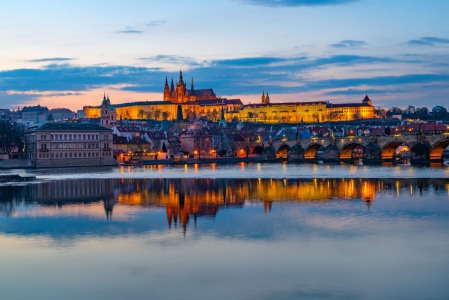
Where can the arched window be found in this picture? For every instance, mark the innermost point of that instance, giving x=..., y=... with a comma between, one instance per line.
x=70, y=154
x=88, y=154
x=40, y=155
x=84, y=154
x=66, y=155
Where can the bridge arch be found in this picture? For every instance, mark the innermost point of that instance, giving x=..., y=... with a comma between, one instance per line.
x=348, y=149
x=436, y=152
x=311, y=151
x=257, y=150
x=389, y=150
x=282, y=151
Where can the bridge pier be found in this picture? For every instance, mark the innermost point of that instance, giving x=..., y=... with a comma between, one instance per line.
x=420, y=154
x=372, y=153
x=269, y=153
x=331, y=154
x=296, y=154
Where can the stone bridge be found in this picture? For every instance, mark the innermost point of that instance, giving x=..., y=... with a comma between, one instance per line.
x=424, y=148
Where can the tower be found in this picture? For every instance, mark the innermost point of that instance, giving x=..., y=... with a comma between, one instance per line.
x=180, y=89
x=267, y=99
x=263, y=97
x=166, y=91
x=367, y=100
x=107, y=112
x=192, y=85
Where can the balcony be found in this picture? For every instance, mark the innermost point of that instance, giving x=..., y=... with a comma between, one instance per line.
x=44, y=150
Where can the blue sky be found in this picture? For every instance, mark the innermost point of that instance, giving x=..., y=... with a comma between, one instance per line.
x=66, y=54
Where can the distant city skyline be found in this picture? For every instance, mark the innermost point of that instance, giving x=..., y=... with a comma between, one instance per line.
x=65, y=55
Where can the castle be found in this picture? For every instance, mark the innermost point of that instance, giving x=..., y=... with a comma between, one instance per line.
x=182, y=95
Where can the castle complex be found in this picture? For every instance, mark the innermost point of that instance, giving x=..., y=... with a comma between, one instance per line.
x=205, y=103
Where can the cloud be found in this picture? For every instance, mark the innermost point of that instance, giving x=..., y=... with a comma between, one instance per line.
x=293, y=3
x=349, y=44
x=254, y=61
x=129, y=31
x=362, y=92
x=239, y=76
x=156, y=23
x=427, y=41
x=50, y=59
x=172, y=59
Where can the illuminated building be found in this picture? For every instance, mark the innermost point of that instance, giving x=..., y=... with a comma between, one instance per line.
x=182, y=95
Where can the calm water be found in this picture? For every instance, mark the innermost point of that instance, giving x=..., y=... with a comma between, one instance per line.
x=225, y=238
x=245, y=170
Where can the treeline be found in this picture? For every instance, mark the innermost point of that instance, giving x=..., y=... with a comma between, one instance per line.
x=422, y=113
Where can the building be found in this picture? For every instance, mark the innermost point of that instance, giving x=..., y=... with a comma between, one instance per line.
x=59, y=114
x=69, y=145
x=197, y=143
x=108, y=114
x=30, y=114
x=287, y=112
x=181, y=94
x=350, y=111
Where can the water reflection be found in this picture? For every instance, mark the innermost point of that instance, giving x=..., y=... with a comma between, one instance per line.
x=195, y=238
x=186, y=199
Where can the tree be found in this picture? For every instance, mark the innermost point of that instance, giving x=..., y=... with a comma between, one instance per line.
x=332, y=116
x=150, y=114
x=141, y=114
x=316, y=118
x=410, y=110
x=214, y=116
x=157, y=114
x=422, y=113
x=164, y=148
x=127, y=115
x=10, y=136
x=250, y=115
x=382, y=113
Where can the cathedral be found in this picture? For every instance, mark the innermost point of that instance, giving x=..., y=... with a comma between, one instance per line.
x=182, y=95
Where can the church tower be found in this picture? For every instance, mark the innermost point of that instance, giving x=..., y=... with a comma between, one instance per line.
x=107, y=112
x=166, y=91
x=263, y=97
x=267, y=99
x=192, y=85
x=180, y=89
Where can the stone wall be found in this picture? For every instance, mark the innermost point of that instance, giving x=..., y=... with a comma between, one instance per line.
x=75, y=162
x=16, y=163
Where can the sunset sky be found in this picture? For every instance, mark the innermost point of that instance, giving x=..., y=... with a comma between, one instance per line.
x=67, y=53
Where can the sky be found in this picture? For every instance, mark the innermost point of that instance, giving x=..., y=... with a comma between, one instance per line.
x=66, y=54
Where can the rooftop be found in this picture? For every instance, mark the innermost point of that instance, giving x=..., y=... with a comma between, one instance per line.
x=72, y=126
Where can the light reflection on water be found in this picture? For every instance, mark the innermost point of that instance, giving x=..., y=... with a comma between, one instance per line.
x=321, y=238
x=245, y=170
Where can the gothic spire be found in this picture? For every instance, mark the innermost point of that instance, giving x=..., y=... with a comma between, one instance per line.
x=181, y=80
x=172, y=89
x=192, y=84
x=166, y=81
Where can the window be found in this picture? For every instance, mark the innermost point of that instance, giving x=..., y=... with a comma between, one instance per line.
x=74, y=154
x=66, y=155
x=70, y=155
x=84, y=154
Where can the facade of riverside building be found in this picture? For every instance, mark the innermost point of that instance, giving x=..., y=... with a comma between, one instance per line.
x=70, y=145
